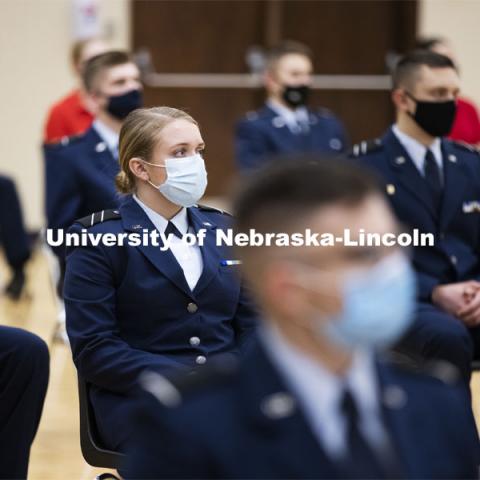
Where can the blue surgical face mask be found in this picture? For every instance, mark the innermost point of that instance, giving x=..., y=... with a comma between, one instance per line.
x=377, y=306
x=186, y=180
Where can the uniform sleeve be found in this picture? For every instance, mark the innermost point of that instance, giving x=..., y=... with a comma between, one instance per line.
x=100, y=354
x=425, y=285
x=63, y=199
x=251, y=146
x=245, y=321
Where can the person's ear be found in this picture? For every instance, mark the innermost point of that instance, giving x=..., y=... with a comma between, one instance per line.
x=137, y=167
x=283, y=293
x=91, y=103
x=402, y=101
x=270, y=81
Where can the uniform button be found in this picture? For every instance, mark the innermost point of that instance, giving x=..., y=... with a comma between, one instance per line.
x=200, y=360
x=442, y=236
x=192, y=307
x=453, y=259
x=194, y=341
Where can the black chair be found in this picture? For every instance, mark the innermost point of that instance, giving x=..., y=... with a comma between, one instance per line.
x=92, y=450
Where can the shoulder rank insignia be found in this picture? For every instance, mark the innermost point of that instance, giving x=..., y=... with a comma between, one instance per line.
x=365, y=147
x=324, y=112
x=466, y=146
x=98, y=217
x=64, y=141
x=207, y=208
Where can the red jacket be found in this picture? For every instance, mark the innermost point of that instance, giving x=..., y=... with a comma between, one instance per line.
x=67, y=117
x=466, y=127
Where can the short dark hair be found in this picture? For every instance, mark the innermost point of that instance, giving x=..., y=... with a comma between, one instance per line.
x=428, y=43
x=98, y=64
x=278, y=198
x=287, y=47
x=407, y=66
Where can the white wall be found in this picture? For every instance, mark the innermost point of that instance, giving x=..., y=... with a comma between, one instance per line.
x=459, y=21
x=35, y=38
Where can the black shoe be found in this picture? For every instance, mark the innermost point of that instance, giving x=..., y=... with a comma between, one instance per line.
x=16, y=285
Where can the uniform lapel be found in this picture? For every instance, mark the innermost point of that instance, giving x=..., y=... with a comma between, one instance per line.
x=273, y=413
x=402, y=421
x=406, y=172
x=455, y=181
x=103, y=158
x=135, y=220
x=211, y=254
x=282, y=132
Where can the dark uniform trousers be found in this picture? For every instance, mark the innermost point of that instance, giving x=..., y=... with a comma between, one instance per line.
x=263, y=135
x=455, y=256
x=24, y=371
x=13, y=237
x=246, y=423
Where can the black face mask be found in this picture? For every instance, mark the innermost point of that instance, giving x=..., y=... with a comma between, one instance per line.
x=120, y=106
x=296, y=96
x=436, y=118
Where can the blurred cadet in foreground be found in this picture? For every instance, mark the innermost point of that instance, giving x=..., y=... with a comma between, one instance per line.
x=73, y=114
x=317, y=397
x=80, y=171
x=466, y=127
x=13, y=238
x=24, y=369
x=433, y=185
x=285, y=124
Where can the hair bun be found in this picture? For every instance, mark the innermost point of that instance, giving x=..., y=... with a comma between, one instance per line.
x=122, y=183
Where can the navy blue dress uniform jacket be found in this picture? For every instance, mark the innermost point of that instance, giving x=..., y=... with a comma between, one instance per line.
x=456, y=227
x=80, y=179
x=24, y=371
x=245, y=424
x=130, y=308
x=264, y=134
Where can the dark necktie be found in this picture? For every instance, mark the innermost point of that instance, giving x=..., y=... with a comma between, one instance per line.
x=360, y=460
x=171, y=228
x=432, y=177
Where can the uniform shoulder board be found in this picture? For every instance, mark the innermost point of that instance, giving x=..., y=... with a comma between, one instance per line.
x=170, y=390
x=65, y=141
x=324, y=112
x=466, y=146
x=207, y=208
x=365, y=147
x=98, y=217
x=439, y=369
x=251, y=116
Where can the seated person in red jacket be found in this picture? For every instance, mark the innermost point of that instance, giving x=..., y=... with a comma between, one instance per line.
x=70, y=115
x=466, y=127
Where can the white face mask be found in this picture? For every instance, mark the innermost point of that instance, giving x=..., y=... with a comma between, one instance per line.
x=186, y=180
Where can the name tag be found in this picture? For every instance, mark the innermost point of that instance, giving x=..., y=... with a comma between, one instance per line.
x=228, y=263
x=471, y=207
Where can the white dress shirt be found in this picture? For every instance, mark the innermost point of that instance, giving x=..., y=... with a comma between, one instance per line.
x=417, y=151
x=319, y=393
x=189, y=257
x=294, y=119
x=109, y=136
